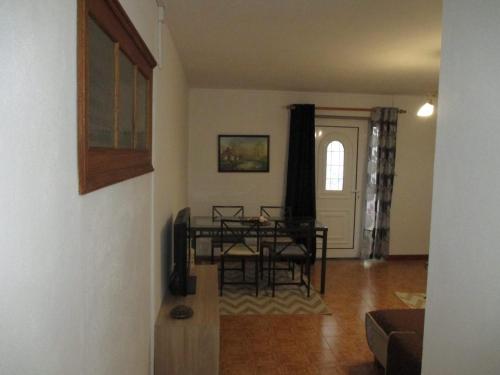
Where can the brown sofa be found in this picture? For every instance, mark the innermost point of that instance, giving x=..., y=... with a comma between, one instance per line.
x=395, y=338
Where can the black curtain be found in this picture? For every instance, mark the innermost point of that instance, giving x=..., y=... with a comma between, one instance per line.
x=300, y=181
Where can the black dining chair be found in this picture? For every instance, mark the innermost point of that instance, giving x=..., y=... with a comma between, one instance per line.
x=276, y=211
x=292, y=242
x=218, y=213
x=233, y=234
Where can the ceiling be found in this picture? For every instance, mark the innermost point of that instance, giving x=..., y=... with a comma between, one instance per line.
x=368, y=46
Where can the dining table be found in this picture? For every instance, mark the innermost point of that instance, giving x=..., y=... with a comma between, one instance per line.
x=209, y=227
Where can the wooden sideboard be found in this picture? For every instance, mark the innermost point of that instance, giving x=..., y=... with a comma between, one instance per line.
x=190, y=346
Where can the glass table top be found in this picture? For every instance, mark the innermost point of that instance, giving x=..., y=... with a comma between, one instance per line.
x=207, y=222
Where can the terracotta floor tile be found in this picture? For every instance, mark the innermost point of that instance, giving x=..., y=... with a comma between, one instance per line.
x=322, y=358
x=239, y=369
x=320, y=344
x=328, y=370
x=269, y=370
x=363, y=368
x=298, y=370
x=317, y=344
x=237, y=356
x=297, y=358
x=269, y=359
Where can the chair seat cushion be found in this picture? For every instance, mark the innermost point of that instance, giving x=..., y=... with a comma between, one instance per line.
x=216, y=241
x=269, y=241
x=291, y=251
x=239, y=250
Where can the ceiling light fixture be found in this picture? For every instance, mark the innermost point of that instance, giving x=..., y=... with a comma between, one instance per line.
x=427, y=109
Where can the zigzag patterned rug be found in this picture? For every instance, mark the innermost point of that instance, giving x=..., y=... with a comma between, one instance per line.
x=288, y=300
x=412, y=300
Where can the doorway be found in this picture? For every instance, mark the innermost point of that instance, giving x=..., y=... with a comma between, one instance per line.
x=340, y=174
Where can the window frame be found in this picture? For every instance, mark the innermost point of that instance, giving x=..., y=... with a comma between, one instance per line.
x=325, y=182
x=103, y=166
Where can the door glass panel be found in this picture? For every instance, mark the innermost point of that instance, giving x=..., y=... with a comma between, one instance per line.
x=334, y=180
x=101, y=87
x=141, y=113
x=126, y=103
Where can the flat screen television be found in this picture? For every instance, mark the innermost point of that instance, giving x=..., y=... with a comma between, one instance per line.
x=180, y=280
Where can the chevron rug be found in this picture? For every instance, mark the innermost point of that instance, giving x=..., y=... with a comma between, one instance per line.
x=412, y=300
x=288, y=300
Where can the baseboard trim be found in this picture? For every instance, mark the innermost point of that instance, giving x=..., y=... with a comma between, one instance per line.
x=409, y=257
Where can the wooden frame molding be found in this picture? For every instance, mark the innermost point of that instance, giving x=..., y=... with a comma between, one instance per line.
x=103, y=166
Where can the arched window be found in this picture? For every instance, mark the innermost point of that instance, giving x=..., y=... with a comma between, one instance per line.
x=334, y=166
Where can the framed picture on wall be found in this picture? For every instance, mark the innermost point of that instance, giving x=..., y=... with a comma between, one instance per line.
x=115, y=97
x=243, y=153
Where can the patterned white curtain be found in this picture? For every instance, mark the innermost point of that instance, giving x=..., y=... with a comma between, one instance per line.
x=380, y=179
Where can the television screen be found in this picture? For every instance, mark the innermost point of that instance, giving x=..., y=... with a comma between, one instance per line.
x=180, y=281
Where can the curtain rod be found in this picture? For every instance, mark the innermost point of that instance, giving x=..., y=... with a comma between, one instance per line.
x=343, y=117
x=346, y=109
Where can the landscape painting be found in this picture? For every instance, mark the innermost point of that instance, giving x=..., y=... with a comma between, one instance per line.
x=243, y=153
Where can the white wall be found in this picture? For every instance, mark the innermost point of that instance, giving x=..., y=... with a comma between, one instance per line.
x=462, y=333
x=76, y=280
x=213, y=112
x=412, y=194
x=169, y=158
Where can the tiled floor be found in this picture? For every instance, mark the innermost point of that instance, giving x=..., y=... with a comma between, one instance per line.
x=315, y=344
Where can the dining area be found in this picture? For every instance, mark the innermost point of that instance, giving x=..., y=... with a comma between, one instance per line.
x=265, y=253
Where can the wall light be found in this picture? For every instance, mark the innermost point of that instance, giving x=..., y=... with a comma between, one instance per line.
x=426, y=110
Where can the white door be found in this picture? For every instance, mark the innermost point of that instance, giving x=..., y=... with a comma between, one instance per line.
x=340, y=171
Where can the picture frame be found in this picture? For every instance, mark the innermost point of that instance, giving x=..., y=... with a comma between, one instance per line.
x=115, y=96
x=243, y=153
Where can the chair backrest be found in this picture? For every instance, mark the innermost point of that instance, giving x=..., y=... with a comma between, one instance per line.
x=219, y=212
x=276, y=211
x=293, y=232
x=234, y=232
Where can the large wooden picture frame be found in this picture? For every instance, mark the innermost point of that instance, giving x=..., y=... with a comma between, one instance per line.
x=243, y=153
x=115, y=85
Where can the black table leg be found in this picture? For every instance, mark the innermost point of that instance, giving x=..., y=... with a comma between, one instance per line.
x=193, y=244
x=323, y=260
